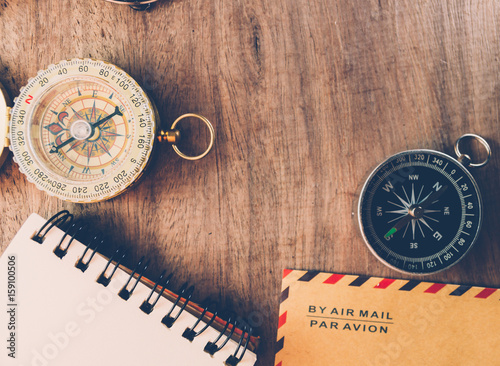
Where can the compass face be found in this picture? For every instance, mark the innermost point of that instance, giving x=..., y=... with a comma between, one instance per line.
x=420, y=211
x=82, y=130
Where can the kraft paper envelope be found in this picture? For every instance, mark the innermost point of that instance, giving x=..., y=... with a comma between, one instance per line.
x=334, y=319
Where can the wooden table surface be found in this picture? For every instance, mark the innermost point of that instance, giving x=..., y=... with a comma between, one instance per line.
x=306, y=98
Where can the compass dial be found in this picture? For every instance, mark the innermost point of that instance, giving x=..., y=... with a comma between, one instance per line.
x=420, y=211
x=82, y=130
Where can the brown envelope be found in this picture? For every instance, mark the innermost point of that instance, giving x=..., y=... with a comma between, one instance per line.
x=334, y=319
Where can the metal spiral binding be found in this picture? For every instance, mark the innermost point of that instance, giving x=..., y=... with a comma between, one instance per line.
x=80, y=264
x=59, y=218
x=62, y=252
x=168, y=319
x=212, y=347
x=147, y=306
x=140, y=268
x=233, y=360
x=102, y=279
x=191, y=334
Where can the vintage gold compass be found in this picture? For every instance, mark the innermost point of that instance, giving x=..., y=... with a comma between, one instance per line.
x=83, y=130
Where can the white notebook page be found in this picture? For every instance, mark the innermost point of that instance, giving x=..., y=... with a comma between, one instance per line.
x=63, y=317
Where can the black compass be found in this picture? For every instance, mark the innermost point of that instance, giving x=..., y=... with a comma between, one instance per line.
x=420, y=211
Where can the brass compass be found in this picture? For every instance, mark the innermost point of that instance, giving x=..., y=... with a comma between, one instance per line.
x=83, y=130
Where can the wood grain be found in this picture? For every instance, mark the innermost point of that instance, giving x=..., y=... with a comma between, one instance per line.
x=306, y=97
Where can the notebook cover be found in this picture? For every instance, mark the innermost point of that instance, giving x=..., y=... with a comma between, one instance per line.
x=335, y=319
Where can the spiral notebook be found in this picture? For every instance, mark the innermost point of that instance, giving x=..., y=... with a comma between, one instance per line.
x=72, y=306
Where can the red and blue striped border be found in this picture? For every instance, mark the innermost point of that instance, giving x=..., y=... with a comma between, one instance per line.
x=384, y=283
